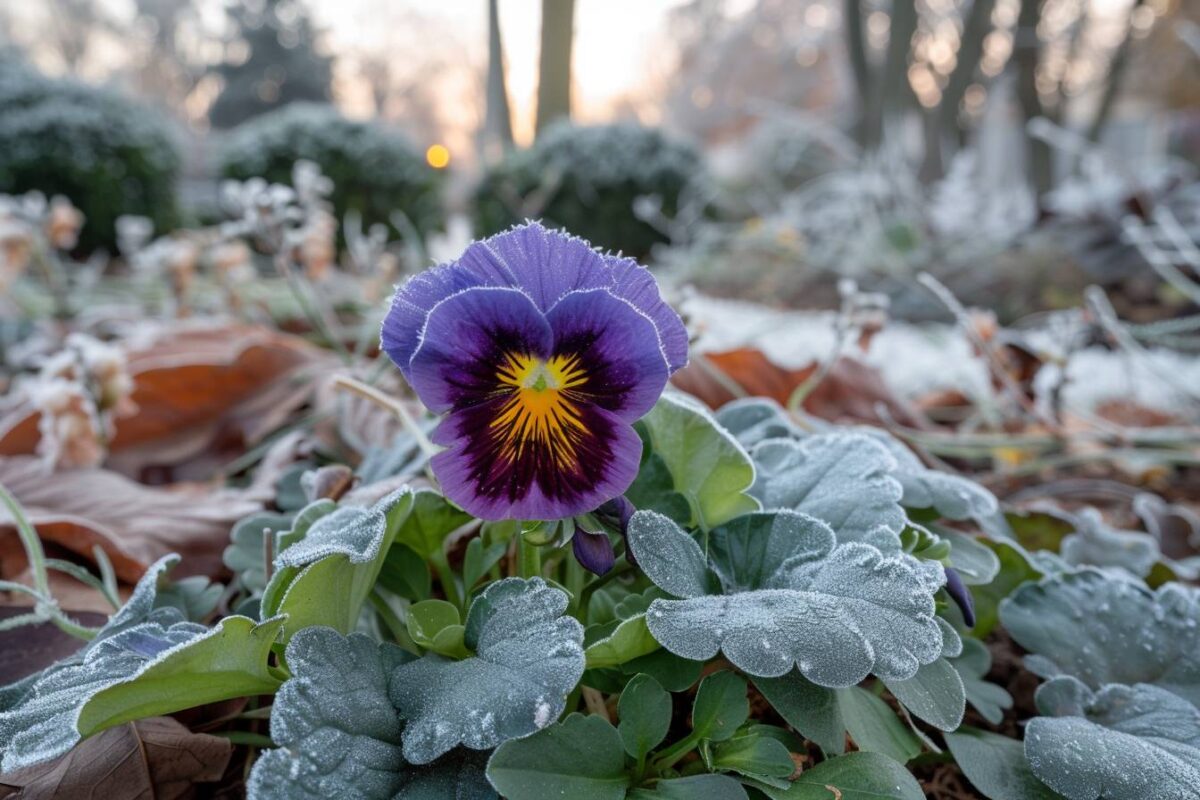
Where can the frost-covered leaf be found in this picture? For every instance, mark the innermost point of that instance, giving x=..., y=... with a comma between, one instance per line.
x=38, y=719
x=706, y=464
x=976, y=563
x=1119, y=743
x=324, y=578
x=843, y=479
x=990, y=700
x=528, y=658
x=951, y=496
x=935, y=694
x=44, y=723
x=1017, y=567
x=792, y=597
x=1101, y=629
x=229, y=661
x=337, y=733
x=753, y=419
x=432, y=519
x=1095, y=543
x=854, y=776
x=580, y=758
x=996, y=766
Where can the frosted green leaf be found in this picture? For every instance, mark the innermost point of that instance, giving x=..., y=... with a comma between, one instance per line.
x=854, y=776
x=843, y=479
x=674, y=562
x=952, y=496
x=528, y=658
x=996, y=766
x=935, y=694
x=38, y=718
x=580, y=758
x=352, y=531
x=990, y=700
x=1095, y=543
x=1103, y=630
x=753, y=419
x=707, y=465
x=336, y=731
x=1120, y=743
x=792, y=597
x=246, y=555
x=44, y=723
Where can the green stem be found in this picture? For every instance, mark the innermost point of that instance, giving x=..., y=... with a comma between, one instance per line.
x=246, y=737
x=671, y=755
x=529, y=558
x=30, y=541
x=446, y=577
x=393, y=623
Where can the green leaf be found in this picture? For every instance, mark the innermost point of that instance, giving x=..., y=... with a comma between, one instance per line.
x=433, y=518
x=720, y=707
x=874, y=727
x=427, y=618
x=246, y=555
x=996, y=766
x=676, y=674
x=406, y=574
x=753, y=419
x=1016, y=569
x=812, y=710
x=479, y=559
x=753, y=756
x=645, y=710
x=975, y=561
x=337, y=733
x=854, y=776
x=581, y=758
x=790, y=597
x=528, y=658
x=694, y=787
x=1120, y=743
x=987, y=698
x=338, y=560
x=843, y=479
x=630, y=640
x=707, y=465
x=935, y=694
x=229, y=661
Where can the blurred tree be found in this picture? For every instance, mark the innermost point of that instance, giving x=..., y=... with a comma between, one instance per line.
x=497, y=126
x=271, y=61
x=554, y=65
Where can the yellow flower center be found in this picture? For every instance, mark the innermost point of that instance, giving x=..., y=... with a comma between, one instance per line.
x=541, y=410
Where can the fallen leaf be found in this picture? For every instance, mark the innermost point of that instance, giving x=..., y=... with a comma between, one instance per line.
x=150, y=759
x=134, y=524
x=850, y=391
x=32, y=648
x=203, y=393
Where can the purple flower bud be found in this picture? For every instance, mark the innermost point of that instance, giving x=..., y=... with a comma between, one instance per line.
x=961, y=596
x=593, y=551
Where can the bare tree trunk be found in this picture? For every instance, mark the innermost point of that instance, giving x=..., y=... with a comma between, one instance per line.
x=1116, y=71
x=894, y=94
x=1026, y=48
x=497, y=125
x=976, y=27
x=554, y=66
x=856, y=47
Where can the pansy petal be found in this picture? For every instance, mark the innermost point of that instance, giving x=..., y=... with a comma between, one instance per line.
x=593, y=551
x=546, y=264
x=494, y=479
x=635, y=284
x=403, y=324
x=466, y=339
x=620, y=357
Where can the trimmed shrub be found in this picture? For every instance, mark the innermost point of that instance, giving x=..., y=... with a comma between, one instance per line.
x=109, y=155
x=374, y=170
x=586, y=179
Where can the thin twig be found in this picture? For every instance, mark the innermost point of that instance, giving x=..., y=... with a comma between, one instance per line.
x=391, y=404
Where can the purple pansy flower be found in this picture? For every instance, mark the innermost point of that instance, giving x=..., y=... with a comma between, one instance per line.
x=541, y=352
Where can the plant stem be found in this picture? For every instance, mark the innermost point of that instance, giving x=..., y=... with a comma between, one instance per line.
x=529, y=558
x=441, y=565
x=393, y=623
x=391, y=404
x=671, y=755
x=315, y=317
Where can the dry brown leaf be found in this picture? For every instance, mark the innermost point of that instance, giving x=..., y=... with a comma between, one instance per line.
x=203, y=395
x=850, y=391
x=134, y=524
x=150, y=759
